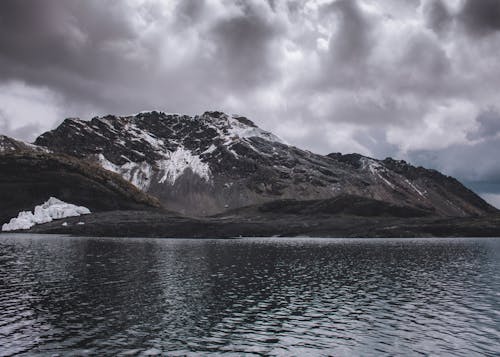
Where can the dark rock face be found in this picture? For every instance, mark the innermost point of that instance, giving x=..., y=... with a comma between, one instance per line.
x=340, y=205
x=212, y=163
x=29, y=178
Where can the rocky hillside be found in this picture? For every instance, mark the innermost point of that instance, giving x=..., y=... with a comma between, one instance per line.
x=30, y=176
x=214, y=162
x=10, y=145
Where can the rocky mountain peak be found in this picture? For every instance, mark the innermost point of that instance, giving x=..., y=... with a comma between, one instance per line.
x=212, y=162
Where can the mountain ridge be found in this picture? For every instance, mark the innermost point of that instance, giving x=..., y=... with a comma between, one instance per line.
x=207, y=164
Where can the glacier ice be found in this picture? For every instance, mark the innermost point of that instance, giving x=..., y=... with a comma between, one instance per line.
x=46, y=212
x=180, y=160
x=139, y=174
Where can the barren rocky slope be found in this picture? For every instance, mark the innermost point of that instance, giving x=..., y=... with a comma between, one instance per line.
x=28, y=177
x=214, y=162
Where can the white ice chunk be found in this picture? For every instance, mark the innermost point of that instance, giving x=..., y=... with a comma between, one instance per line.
x=50, y=210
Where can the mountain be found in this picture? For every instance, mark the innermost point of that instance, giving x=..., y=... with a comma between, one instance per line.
x=10, y=145
x=214, y=162
x=346, y=205
x=30, y=175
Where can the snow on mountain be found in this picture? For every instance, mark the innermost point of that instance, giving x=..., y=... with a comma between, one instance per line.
x=8, y=144
x=243, y=128
x=212, y=162
x=179, y=161
x=139, y=174
x=157, y=146
x=52, y=209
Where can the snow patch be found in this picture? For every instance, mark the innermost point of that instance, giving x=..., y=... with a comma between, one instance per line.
x=242, y=130
x=210, y=150
x=9, y=145
x=375, y=167
x=139, y=174
x=180, y=160
x=142, y=135
x=44, y=213
x=6, y=146
x=415, y=188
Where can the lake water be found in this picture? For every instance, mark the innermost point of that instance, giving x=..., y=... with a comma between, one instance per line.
x=278, y=296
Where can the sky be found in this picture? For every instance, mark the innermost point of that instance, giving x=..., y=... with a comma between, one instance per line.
x=409, y=79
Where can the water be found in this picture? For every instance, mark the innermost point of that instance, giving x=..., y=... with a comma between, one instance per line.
x=89, y=296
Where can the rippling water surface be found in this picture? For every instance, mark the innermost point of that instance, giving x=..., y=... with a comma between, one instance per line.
x=89, y=296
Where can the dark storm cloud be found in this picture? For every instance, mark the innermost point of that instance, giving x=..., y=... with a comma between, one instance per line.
x=488, y=125
x=244, y=48
x=472, y=163
x=75, y=36
x=351, y=42
x=72, y=47
x=121, y=59
x=481, y=17
x=437, y=15
x=191, y=9
x=345, y=63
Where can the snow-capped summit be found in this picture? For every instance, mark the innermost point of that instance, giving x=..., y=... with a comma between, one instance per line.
x=213, y=162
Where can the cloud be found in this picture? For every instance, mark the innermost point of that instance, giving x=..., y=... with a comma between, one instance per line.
x=350, y=42
x=25, y=110
x=243, y=46
x=481, y=17
x=437, y=15
x=492, y=198
x=488, y=125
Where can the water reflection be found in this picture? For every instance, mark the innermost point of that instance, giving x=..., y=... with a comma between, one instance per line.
x=261, y=296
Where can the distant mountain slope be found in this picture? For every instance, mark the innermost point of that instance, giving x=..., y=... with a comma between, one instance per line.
x=340, y=205
x=10, y=145
x=214, y=162
x=29, y=177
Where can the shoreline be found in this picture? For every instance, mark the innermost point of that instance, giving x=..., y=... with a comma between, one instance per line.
x=144, y=224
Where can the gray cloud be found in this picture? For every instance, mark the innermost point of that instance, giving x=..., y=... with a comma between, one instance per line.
x=26, y=130
x=351, y=42
x=481, y=16
x=488, y=125
x=473, y=163
x=437, y=15
x=243, y=46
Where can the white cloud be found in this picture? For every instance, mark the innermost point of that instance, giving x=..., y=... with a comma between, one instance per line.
x=492, y=198
x=25, y=110
x=444, y=125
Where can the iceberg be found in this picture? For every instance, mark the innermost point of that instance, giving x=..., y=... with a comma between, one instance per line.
x=44, y=213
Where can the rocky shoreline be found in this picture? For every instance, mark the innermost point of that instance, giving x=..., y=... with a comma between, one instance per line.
x=161, y=225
